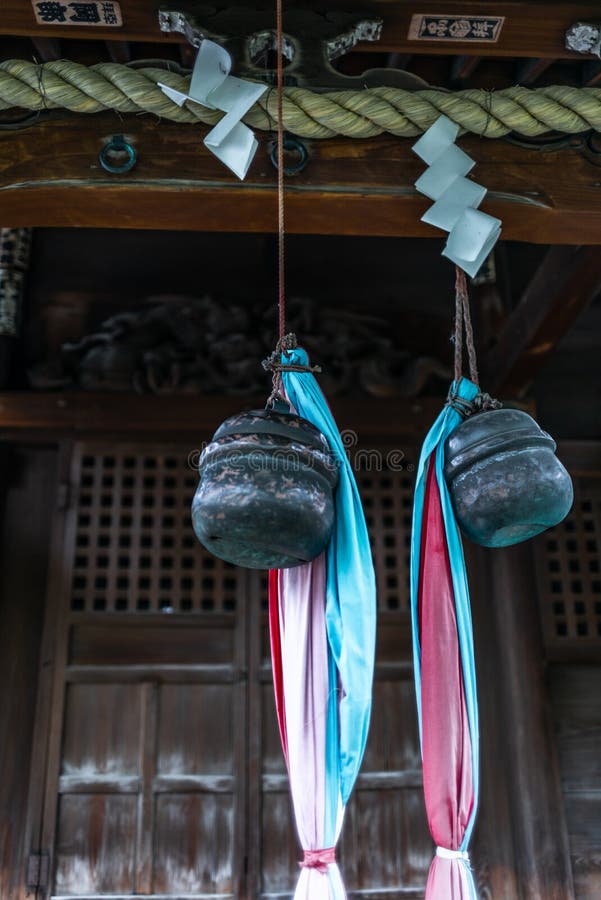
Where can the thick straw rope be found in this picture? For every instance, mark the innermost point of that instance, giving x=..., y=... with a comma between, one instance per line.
x=357, y=114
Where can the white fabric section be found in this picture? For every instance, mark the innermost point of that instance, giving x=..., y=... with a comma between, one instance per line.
x=337, y=891
x=306, y=688
x=306, y=692
x=312, y=885
x=452, y=854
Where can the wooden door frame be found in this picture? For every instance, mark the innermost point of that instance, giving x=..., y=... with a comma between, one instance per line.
x=44, y=706
x=49, y=716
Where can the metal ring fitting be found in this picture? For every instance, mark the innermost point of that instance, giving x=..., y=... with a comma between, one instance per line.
x=291, y=145
x=118, y=145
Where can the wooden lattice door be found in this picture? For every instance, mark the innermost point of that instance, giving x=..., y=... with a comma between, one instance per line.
x=163, y=772
x=145, y=782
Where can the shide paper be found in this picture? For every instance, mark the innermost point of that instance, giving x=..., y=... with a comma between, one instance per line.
x=212, y=86
x=472, y=234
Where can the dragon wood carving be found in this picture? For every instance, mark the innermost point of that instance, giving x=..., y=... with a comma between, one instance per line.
x=198, y=345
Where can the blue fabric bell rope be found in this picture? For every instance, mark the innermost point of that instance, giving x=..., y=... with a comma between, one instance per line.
x=351, y=587
x=434, y=442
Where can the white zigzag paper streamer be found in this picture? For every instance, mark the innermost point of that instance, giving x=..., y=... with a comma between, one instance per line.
x=472, y=234
x=212, y=85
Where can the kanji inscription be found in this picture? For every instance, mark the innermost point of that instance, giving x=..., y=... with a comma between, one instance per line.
x=101, y=13
x=455, y=28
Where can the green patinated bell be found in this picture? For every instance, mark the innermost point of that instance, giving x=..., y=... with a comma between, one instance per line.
x=265, y=496
x=506, y=483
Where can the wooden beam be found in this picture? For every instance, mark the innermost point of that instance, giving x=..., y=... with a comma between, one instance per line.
x=463, y=67
x=119, y=51
x=528, y=71
x=398, y=61
x=529, y=29
x=50, y=177
x=195, y=417
x=568, y=279
x=47, y=48
x=591, y=73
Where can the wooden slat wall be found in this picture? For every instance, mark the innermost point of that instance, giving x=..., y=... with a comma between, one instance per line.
x=569, y=592
x=528, y=842
x=576, y=699
x=28, y=483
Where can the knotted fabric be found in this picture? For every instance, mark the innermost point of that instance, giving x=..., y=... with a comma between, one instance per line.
x=444, y=668
x=322, y=619
x=318, y=859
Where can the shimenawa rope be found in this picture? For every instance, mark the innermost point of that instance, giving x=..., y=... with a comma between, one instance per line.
x=62, y=84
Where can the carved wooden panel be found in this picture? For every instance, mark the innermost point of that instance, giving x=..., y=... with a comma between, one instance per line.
x=90, y=748
x=149, y=790
x=95, y=846
x=199, y=857
x=568, y=560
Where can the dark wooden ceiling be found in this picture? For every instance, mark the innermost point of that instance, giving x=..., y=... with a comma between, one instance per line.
x=548, y=334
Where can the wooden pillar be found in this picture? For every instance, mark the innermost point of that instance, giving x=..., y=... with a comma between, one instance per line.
x=523, y=847
x=29, y=483
x=492, y=849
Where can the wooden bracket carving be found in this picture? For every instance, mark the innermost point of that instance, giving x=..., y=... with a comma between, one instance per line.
x=312, y=41
x=585, y=38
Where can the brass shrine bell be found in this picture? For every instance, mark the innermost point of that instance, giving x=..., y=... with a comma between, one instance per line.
x=504, y=479
x=265, y=495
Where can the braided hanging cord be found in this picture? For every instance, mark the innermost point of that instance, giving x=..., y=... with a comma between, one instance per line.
x=463, y=323
x=62, y=84
x=463, y=320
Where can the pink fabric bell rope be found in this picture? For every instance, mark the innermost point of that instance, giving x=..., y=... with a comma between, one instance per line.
x=318, y=859
x=276, y=658
x=445, y=677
